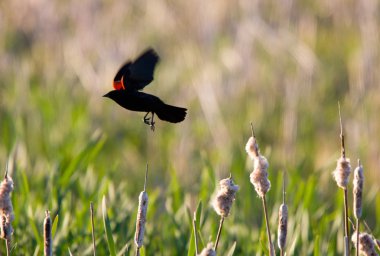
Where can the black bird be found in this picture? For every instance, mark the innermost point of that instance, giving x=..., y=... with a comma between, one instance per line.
x=133, y=77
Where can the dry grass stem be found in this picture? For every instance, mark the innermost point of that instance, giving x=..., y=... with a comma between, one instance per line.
x=47, y=235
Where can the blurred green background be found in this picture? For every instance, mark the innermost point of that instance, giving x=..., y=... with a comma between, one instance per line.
x=282, y=65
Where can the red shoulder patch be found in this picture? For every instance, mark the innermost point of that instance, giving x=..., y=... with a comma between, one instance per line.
x=118, y=85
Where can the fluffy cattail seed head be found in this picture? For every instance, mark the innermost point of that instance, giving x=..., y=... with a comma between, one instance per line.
x=47, y=235
x=366, y=244
x=225, y=197
x=342, y=172
x=358, y=190
x=282, y=226
x=6, y=208
x=141, y=219
x=208, y=251
x=259, y=175
x=252, y=148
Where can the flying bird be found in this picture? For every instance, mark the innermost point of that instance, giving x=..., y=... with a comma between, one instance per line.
x=131, y=78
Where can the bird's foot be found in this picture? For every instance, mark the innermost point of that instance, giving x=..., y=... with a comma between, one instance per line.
x=149, y=121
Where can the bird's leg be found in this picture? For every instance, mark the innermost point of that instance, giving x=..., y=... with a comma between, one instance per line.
x=147, y=119
x=152, y=122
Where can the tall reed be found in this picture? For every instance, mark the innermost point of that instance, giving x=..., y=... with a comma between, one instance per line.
x=259, y=179
x=341, y=175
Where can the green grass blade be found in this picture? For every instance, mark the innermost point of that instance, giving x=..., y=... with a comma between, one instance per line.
x=107, y=227
x=54, y=225
x=232, y=249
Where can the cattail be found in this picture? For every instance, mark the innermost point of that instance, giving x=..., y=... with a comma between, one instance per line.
x=366, y=244
x=141, y=216
x=282, y=226
x=282, y=221
x=358, y=189
x=208, y=251
x=141, y=219
x=223, y=203
x=342, y=172
x=259, y=175
x=341, y=175
x=6, y=208
x=259, y=179
x=252, y=148
x=47, y=235
x=225, y=197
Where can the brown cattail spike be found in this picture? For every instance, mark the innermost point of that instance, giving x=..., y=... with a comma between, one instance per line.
x=358, y=190
x=282, y=220
x=282, y=226
x=366, y=244
x=6, y=208
x=208, y=251
x=141, y=216
x=47, y=235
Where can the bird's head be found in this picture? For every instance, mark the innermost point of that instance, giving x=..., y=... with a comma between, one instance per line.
x=111, y=94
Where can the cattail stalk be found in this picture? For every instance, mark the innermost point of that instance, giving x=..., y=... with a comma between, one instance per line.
x=282, y=221
x=341, y=175
x=260, y=181
x=47, y=235
x=223, y=203
x=92, y=228
x=357, y=193
x=6, y=210
x=141, y=216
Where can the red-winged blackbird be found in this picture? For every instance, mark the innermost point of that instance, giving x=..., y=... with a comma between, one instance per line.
x=133, y=77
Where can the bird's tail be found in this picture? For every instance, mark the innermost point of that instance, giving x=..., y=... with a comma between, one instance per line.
x=171, y=114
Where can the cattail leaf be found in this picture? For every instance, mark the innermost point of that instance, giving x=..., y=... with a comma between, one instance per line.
x=83, y=158
x=70, y=252
x=175, y=191
x=192, y=245
x=37, y=250
x=36, y=231
x=232, y=249
x=107, y=227
x=317, y=245
x=142, y=251
x=201, y=242
x=198, y=214
x=54, y=226
x=124, y=249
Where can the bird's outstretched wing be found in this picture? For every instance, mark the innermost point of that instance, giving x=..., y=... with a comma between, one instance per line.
x=141, y=70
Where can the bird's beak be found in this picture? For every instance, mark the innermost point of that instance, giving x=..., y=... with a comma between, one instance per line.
x=105, y=95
